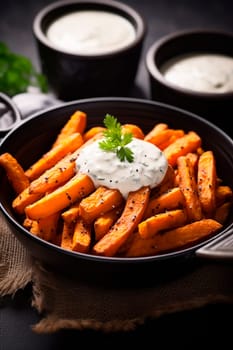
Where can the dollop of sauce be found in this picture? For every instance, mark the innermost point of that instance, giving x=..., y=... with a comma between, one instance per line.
x=203, y=72
x=91, y=32
x=105, y=168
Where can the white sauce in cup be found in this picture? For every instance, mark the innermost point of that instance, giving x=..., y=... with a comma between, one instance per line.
x=204, y=72
x=91, y=32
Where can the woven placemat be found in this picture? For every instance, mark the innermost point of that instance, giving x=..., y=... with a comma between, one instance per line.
x=71, y=303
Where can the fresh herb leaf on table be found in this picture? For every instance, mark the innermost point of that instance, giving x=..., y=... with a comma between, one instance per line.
x=17, y=73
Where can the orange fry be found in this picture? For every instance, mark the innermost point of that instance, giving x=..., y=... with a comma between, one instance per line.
x=75, y=124
x=183, y=145
x=132, y=214
x=188, y=186
x=171, y=199
x=82, y=236
x=104, y=222
x=14, y=172
x=206, y=181
x=49, y=159
x=156, y=130
x=163, y=221
x=99, y=202
x=75, y=189
x=177, y=238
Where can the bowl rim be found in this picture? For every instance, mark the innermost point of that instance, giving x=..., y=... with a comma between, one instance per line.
x=155, y=73
x=102, y=259
x=113, y=5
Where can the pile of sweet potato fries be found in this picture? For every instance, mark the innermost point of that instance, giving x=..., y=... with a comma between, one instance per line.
x=60, y=205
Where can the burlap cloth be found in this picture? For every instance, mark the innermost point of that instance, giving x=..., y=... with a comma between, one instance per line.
x=67, y=303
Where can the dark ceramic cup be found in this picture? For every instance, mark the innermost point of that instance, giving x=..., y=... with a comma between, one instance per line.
x=216, y=107
x=77, y=75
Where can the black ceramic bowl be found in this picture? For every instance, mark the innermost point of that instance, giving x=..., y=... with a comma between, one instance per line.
x=80, y=75
x=31, y=139
x=214, y=106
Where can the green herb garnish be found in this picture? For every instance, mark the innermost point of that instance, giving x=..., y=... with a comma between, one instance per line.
x=17, y=73
x=116, y=141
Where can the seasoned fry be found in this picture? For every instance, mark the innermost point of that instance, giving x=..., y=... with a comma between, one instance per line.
x=222, y=212
x=24, y=199
x=188, y=186
x=99, y=202
x=67, y=235
x=82, y=236
x=223, y=194
x=14, y=172
x=104, y=222
x=206, y=182
x=135, y=130
x=156, y=130
x=56, y=176
x=66, y=146
x=47, y=227
x=70, y=215
x=165, y=137
x=163, y=221
x=177, y=238
x=174, y=136
x=132, y=214
x=183, y=145
x=93, y=132
x=166, y=184
x=76, y=188
x=171, y=199
x=75, y=124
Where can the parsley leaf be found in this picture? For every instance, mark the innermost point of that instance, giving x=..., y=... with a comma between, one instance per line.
x=115, y=141
x=17, y=73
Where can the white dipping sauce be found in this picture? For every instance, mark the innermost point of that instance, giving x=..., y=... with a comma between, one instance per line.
x=202, y=72
x=105, y=168
x=91, y=32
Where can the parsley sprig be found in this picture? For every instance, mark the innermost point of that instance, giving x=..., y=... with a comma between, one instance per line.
x=17, y=73
x=115, y=140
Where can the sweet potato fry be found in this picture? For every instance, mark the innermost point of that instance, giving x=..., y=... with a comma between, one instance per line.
x=160, y=222
x=70, y=215
x=156, y=130
x=47, y=227
x=93, y=132
x=75, y=124
x=82, y=236
x=14, y=172
x=176, y=134
x=222, y=212
x=24, y=199
x=163, y=137
x=127, y=223
x=166, y=184
x=68, y=145
x=67, y=235
x=171, y=199
x=183, y=145
x=75, y=189
x=188, y=186
x=134, y=129
x=223, y=193
x=56, y=176
x=177, y=238
x=206, y=182
x=104, y=222
x=99, y=202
